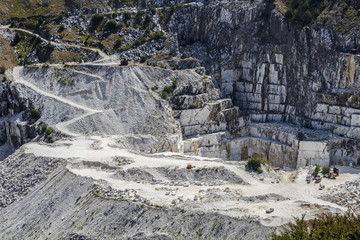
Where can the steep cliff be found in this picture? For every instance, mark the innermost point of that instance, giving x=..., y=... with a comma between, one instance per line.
x=274, y=72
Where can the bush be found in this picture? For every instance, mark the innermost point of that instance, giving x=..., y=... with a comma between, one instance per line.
x=43, y=128
x=61, y=28
x=96, y=20
x=50, y=139
x=147, y=20
x=126, y=17
x=152, y=9
x=326, y=226
x=35, y=114
x=254, y=163
x=139, y=16
x=325, y=170
x=16, y=40
x=2, y=69
x=118, y=42
x=49, y=131
x=154, y=88
x=317, y=170
x=143, y=58
x=110, y=25
x=121, y=24
x=168, y=89
x=164, y=94
x=158, y=35
x=174, y=83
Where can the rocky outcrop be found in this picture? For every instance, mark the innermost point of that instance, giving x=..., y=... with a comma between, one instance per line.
x=15, y=114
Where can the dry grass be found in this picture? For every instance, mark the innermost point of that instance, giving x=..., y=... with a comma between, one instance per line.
x=28, y=8
x=7, y=56
x=109, y=43
x=64, y=56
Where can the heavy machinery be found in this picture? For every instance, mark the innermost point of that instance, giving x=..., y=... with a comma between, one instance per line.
x=332, y=175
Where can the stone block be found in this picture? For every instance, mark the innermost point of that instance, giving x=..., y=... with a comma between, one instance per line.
x=355, y=119
x=322, y=108
x=312, y=152
x=279, y=58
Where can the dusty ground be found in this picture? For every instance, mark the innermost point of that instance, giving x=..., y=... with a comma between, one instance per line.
x=163, y=180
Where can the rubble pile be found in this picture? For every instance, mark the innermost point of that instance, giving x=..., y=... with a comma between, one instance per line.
x=18, y=179
x=346, y=194
x=127, y=194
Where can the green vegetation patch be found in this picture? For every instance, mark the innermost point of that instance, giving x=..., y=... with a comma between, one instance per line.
x=327, y=226
x=29, y=8
x=301, y=13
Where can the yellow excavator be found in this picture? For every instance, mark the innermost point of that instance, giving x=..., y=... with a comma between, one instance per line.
x=332, y=175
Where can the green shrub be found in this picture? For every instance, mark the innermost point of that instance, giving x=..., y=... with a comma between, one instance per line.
x=121, y=24
x=2, y=69
x=147, y=20
x=325, y=170
x=143, y=58
x=302, y=13
x=35, y=114
x=96, y=20
x=164, y=94
x=49, y=131
x=159, y=35
x=127, y=16
x=174, y=83
x=317, y=170
x=61, y=28
x=43, y=128
x=154, y=88
x=139, y=16
x=152, y=9
x=254, y=163
x=168, y=89
x=110, y=25
x=50, y=138
x=16, y=39
x=326, y=226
